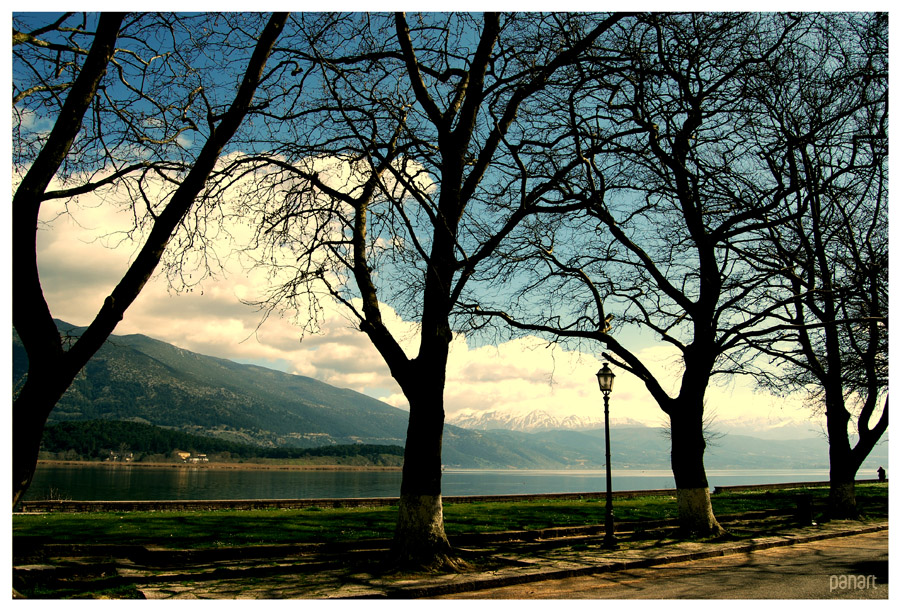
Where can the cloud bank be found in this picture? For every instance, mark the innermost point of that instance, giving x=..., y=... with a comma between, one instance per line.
x=81, y=256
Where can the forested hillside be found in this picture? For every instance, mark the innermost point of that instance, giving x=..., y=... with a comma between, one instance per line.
x=119, y=441
x=141, y=379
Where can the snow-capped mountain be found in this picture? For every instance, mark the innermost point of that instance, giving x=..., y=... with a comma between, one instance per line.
x=771, y=427
x=537, y=420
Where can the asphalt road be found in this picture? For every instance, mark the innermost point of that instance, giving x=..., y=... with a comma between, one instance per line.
x=854, y=567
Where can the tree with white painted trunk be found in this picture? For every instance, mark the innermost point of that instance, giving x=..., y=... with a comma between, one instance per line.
x=416, y=149
x=676, y=179
x=829, y=108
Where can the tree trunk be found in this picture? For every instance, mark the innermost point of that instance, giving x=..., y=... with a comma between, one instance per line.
x=31, y=408
x=695, y=513
x=843, y=468
x=842, y=462
x=28, y=424
x=419, y=539
x=842, y=499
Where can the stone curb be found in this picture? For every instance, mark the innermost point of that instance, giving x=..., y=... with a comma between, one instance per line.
x=483, y=583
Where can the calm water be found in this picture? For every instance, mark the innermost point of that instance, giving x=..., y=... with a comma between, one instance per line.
x=99, y=483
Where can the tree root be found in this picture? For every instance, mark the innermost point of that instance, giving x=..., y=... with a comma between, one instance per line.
x=434, y=563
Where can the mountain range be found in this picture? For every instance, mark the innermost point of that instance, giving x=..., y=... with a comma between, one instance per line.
x=536, y=420
x=140, y=379
x=777, y=428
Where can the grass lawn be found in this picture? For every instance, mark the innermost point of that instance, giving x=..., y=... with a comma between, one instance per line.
x=199, y=529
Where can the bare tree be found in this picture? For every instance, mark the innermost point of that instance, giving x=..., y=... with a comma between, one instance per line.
x=676, y=180
x=123, y=91
x=828, y=109
x=414, y=156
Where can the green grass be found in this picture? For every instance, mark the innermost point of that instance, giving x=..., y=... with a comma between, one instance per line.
x=871, y=499
x=533, y=515
x=199, y=529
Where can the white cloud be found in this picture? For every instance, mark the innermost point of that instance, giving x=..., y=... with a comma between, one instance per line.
x=78, y=270
x=526, y=374
x=79, y=267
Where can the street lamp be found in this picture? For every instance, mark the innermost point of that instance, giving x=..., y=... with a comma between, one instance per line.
x=606, y=378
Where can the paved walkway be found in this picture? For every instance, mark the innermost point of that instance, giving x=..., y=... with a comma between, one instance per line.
x=355, y=574
x=853, y=567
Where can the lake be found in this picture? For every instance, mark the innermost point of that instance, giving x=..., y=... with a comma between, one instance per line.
x=130, y=483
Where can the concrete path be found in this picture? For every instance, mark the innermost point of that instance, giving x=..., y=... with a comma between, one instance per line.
x=851, y=567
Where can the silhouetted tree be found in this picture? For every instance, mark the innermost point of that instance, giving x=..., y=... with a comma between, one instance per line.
x=676, y=178
x=423, y=141
x=828, y=110
x=123, y=90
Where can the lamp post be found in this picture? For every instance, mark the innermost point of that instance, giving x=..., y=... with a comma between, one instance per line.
x=606, y=378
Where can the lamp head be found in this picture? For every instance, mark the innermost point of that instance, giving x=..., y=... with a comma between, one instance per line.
x=606, y=378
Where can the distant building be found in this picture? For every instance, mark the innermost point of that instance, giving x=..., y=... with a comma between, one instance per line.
x=192, y=458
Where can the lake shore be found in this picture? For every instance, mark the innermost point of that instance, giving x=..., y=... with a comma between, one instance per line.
x=225, y=466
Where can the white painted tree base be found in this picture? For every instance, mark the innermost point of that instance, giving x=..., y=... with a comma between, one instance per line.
x=695, y=513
